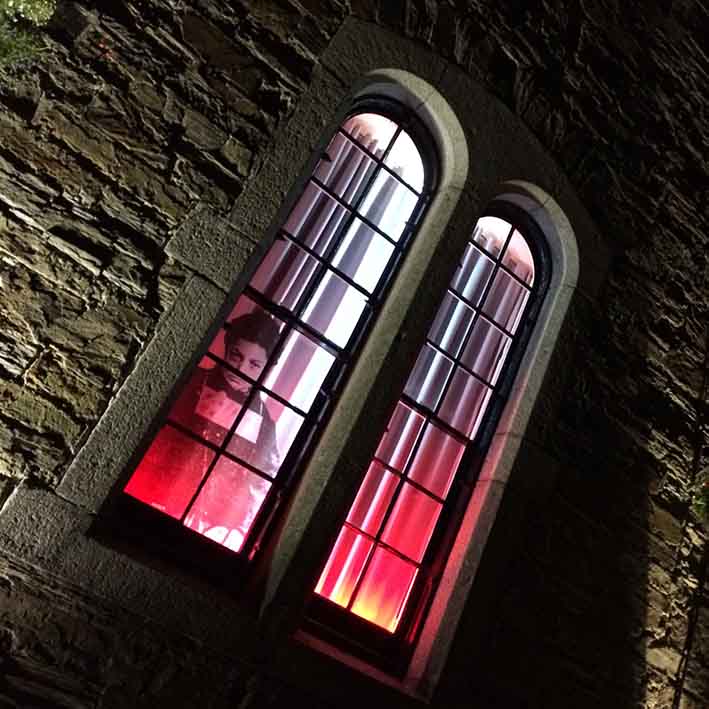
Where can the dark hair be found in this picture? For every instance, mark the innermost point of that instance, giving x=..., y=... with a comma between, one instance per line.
x=256, y=326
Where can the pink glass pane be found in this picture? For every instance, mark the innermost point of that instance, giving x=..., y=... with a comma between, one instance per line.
x=405, y=159
x=363, y=255
x=465, y=403
x=382, y=596
x=472, y=274
x=344, y=566
x=505, y=301
x=170, y=472
x=436, y=461
x=400, y=436
x=284, y=273
x=491, y=233
x=451, y=324
x=389, y=205
x=518, y=258
x=428, y=378
x=366, y=128
x=228, y=504
x=254, y=324
x=316, y=218
x=346, y=168
x=411, y=522
x=373, y=498
x=335, y=309
x=299, y=371
x=210, y=403
x=256, y=440
x=486, y=350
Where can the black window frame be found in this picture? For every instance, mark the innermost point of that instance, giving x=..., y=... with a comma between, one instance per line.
x=392, y=652
x=129, y=524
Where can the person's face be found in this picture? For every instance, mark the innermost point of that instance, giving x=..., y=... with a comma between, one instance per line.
x=249, y=358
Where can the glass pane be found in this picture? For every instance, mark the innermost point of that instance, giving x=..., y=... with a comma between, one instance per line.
x=505, y=301
x=428, y=378
x=518, y=258
x=373, y=499
x=363, y=255
x=411, y=523
x=368, y=127
x=255, y=440
x=472, y=275
x=284, y=273
x=316, y=219
x=299, y=371
x=491, y=233
x=210, y=402
x=400, y=436
x=344, y=566
x=251, y=324
x=335, y=309
x=451, y=324
x=382, y=596
x=345, y=168
x=170, y=472
x=389, y=205
x=436, y=461
x=405, y=159
x=465, y=403
x=228, y=504
x=486, y=350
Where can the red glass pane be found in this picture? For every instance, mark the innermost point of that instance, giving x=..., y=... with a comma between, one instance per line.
x=344, y=566
x=472, y=274
x=518, y=258
x=400, y=436
x=486, y=350
x=505, y=301
x=428, y=378
x=262, y=439
x=382, y=596
x=451, y=324
x=335, y=309
x=411, y=522
x=228, y=504
x=170, y=472
x=436, y=461
x=465, y=403
x=363, y=255
x=373, y=499
x=316, y=219
x=299, y=371
x=284, y=273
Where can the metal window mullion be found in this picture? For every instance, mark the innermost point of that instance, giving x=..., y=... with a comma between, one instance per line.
x=375, y=545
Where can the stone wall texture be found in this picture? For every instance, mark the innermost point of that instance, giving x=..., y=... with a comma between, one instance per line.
x=140, y=113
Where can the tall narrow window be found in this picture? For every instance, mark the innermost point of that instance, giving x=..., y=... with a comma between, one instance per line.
x=238, y=430
x=383, y=567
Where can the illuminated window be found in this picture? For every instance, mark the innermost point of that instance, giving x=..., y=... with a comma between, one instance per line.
x=382, y=569
x=249, y=413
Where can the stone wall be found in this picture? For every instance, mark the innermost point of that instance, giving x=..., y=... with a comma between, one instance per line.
x=140, y=114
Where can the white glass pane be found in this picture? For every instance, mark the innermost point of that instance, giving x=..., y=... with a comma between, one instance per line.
x=491, y=233
x=335, y=309
x=472, y=274
x=372, y=130
x=344, y=168
x=389, y=205
x=505, y=301
x=428, y=378
x=465, y=403
x=299, y=370
x=486, y=350
x=451, y=324
x=400, y=436
x=363, y=255
x=405, y=159
x=518, y=258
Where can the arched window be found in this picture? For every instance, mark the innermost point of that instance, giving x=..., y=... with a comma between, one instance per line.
x=235, y=436
x=385, y=563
